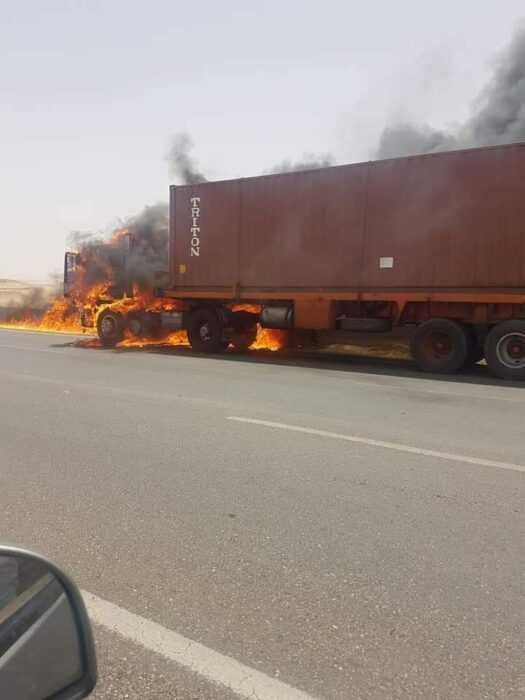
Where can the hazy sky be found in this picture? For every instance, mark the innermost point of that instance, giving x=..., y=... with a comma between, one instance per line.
x=92, y=90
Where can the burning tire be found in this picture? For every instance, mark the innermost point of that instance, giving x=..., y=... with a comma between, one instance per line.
x=505, y=350
x=244, y=338
x=440, y=345
x=110, y=327
x=205, y=331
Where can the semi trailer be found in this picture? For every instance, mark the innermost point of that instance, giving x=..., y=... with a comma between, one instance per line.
x=435, y=242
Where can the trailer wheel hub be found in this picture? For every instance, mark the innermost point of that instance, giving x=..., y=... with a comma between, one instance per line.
x=205, y=332
x=510, y=350
x=108, y=326
x=438, y=344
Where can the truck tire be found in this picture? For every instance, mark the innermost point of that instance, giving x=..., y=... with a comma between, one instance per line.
x=205, y=331
x=110, y=327
x=440, y=346
x=505, y=350
x=140, y=325
x=244, y=338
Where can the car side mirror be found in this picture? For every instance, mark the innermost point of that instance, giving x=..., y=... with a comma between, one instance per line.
x=46, y=644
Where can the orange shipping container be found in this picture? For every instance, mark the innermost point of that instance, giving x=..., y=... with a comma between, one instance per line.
x=450, y=221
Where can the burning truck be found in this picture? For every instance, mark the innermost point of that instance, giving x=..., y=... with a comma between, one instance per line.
x=116, y=288
x=139, y=314
x=433, y=242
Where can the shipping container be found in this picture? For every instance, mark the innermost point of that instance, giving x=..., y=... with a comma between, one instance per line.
x=449, y=221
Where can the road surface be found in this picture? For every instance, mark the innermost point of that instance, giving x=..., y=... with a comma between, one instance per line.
x=282, y=526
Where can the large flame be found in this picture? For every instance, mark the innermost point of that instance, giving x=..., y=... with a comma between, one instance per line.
x=63, y=315
x=100, y=270
x=269, y=339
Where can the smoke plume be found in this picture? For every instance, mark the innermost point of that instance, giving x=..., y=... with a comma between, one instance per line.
x=148, y=233
x=149, y=237
x=181, y=163
x=498, y=115
x=17, y=295
x=308, y=162
x=104, y=257
x=19, y=300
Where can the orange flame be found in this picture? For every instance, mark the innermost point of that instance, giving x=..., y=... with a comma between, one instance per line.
x=267, y=338
x=63, y=315
x=60, y=316
x=173, y=338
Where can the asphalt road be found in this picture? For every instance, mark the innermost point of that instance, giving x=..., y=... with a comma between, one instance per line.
x=363, y=539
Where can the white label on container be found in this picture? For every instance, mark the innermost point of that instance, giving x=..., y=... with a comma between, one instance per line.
x=195, y=230
x=386, y=262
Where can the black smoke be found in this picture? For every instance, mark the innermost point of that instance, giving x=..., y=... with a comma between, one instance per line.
x=142, y=263
x=498, y=115
x=308, y=162
x=149, y=232
x=181, y=163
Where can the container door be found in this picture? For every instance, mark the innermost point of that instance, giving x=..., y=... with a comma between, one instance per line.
x=204, y=234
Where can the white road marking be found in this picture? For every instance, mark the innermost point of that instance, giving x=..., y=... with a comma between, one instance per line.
x=242, y=680
x=379, y=443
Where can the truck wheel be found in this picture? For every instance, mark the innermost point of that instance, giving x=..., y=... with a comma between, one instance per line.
x=205, y=331
x=505, y=350
x=139, y=325
x=110, y=327
x=440, y=345
x=244, y=338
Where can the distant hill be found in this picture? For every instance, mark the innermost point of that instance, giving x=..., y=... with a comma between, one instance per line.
x=12, y=284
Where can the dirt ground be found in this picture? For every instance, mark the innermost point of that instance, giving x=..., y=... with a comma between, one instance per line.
x=389, y=345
